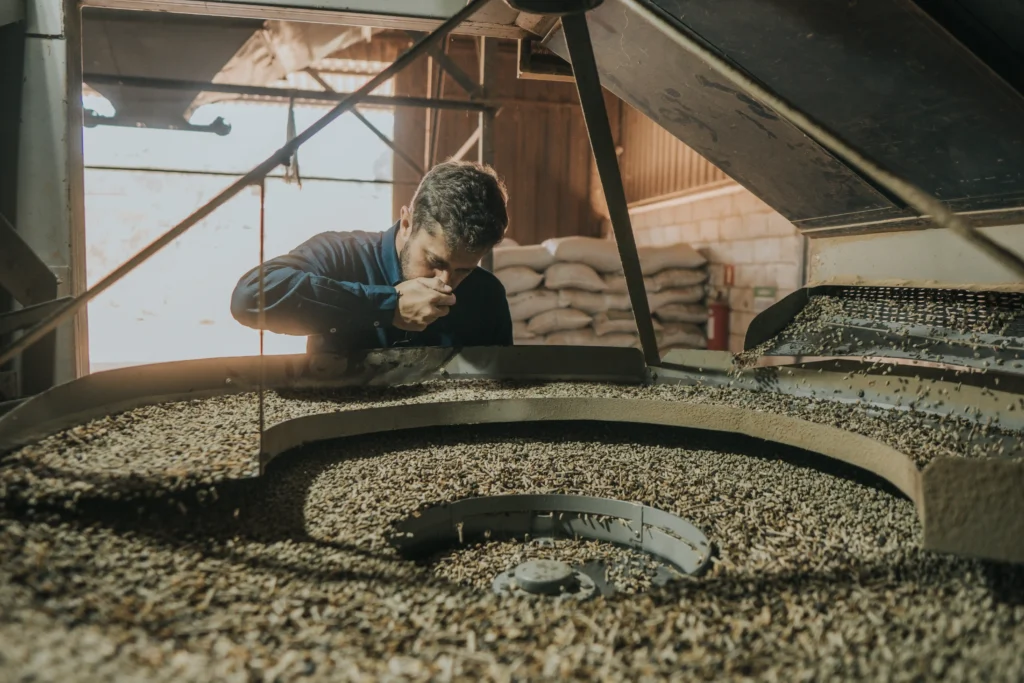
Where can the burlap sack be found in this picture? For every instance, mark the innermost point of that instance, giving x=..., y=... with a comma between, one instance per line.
x=525, y=305
x=573, y=276
x=558, y=320
x=674, y=278
x=619, y=340
x=600, y=254
x=520, y=331
x=592, y=302
x=682, y=313
x=534, y=257
x=603, y=325
x=518, y=279
x=616, y=283
x=656, y=259
x=584, y=337
x=682, y=334
x=684, y=295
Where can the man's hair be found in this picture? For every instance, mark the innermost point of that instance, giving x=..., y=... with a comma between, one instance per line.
x=467, y=200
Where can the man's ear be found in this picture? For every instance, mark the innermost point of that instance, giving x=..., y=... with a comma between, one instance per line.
x=404, y=229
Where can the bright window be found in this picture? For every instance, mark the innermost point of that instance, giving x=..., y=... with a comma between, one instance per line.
x=176, y=305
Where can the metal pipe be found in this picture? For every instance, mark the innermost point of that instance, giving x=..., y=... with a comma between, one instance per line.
x=284, y=93
x=257, y=173
x=234, y=174
x=595, y=115
x=915, y=197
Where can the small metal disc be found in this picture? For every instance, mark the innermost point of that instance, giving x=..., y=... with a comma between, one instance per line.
x=544, y=577
x=549, y=578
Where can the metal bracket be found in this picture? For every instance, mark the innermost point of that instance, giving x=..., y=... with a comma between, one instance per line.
x=541, y=66
x=218, y=127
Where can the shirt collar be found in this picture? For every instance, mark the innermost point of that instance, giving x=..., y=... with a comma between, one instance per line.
x=390, y=263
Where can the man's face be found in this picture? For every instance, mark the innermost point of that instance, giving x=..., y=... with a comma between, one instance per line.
x=426, y=254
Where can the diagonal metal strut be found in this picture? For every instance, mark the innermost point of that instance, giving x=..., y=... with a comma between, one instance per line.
x=256, y=174
x=399, y=152
x=588, y=83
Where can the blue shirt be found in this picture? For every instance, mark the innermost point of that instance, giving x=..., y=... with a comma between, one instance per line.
x=338, y=288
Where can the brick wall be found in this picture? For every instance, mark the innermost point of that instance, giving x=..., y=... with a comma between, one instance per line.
x=730, y=226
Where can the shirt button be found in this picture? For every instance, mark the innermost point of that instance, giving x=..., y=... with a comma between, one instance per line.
x=334, y=330
x=376, y=323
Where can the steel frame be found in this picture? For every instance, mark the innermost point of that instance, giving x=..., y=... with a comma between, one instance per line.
x=286, y=93
x=257, y=173
x=416, y=15
x=591, y=99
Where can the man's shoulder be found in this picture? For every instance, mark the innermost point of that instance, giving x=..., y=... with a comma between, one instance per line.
x=350, y=237
x=485, y=284
x=338, y=244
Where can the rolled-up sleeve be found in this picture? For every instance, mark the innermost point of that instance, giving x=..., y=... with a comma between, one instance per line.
x=300, y=298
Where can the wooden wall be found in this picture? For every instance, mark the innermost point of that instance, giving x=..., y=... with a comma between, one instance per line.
x=541, y=145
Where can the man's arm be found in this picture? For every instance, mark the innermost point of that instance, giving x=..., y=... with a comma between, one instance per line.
x=313, y=290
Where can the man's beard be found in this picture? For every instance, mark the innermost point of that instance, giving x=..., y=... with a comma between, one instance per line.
x=403, y=260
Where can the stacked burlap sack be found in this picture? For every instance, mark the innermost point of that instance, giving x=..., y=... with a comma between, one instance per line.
x=571, y=291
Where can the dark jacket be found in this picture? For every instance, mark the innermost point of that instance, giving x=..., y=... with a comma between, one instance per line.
x=338, y=288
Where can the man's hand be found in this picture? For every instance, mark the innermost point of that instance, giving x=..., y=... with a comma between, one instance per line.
x=421, y=302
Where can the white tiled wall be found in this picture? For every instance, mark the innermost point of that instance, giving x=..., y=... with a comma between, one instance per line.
x=730, y=226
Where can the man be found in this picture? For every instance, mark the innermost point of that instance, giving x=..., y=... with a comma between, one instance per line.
x=417, y=284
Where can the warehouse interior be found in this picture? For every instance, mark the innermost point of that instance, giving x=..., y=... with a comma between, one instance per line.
x=760, y=414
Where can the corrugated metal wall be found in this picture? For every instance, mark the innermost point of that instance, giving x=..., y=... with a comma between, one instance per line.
x=541, y=145
x=654, y=163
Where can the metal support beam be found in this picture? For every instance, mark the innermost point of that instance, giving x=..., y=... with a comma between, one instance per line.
x=588, y=84
x=469, y=144
x=435, y=90
x=448, y=65
x=485, y=150
x=29, y=315
x=400, y=153
x=29, y=281
x=257, y=173
x=12, y=77
x=488, y=53
x=398, y=15
x=284, y=93
x=22, y=272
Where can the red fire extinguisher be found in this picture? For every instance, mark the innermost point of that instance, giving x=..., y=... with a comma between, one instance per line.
x=718, y=323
